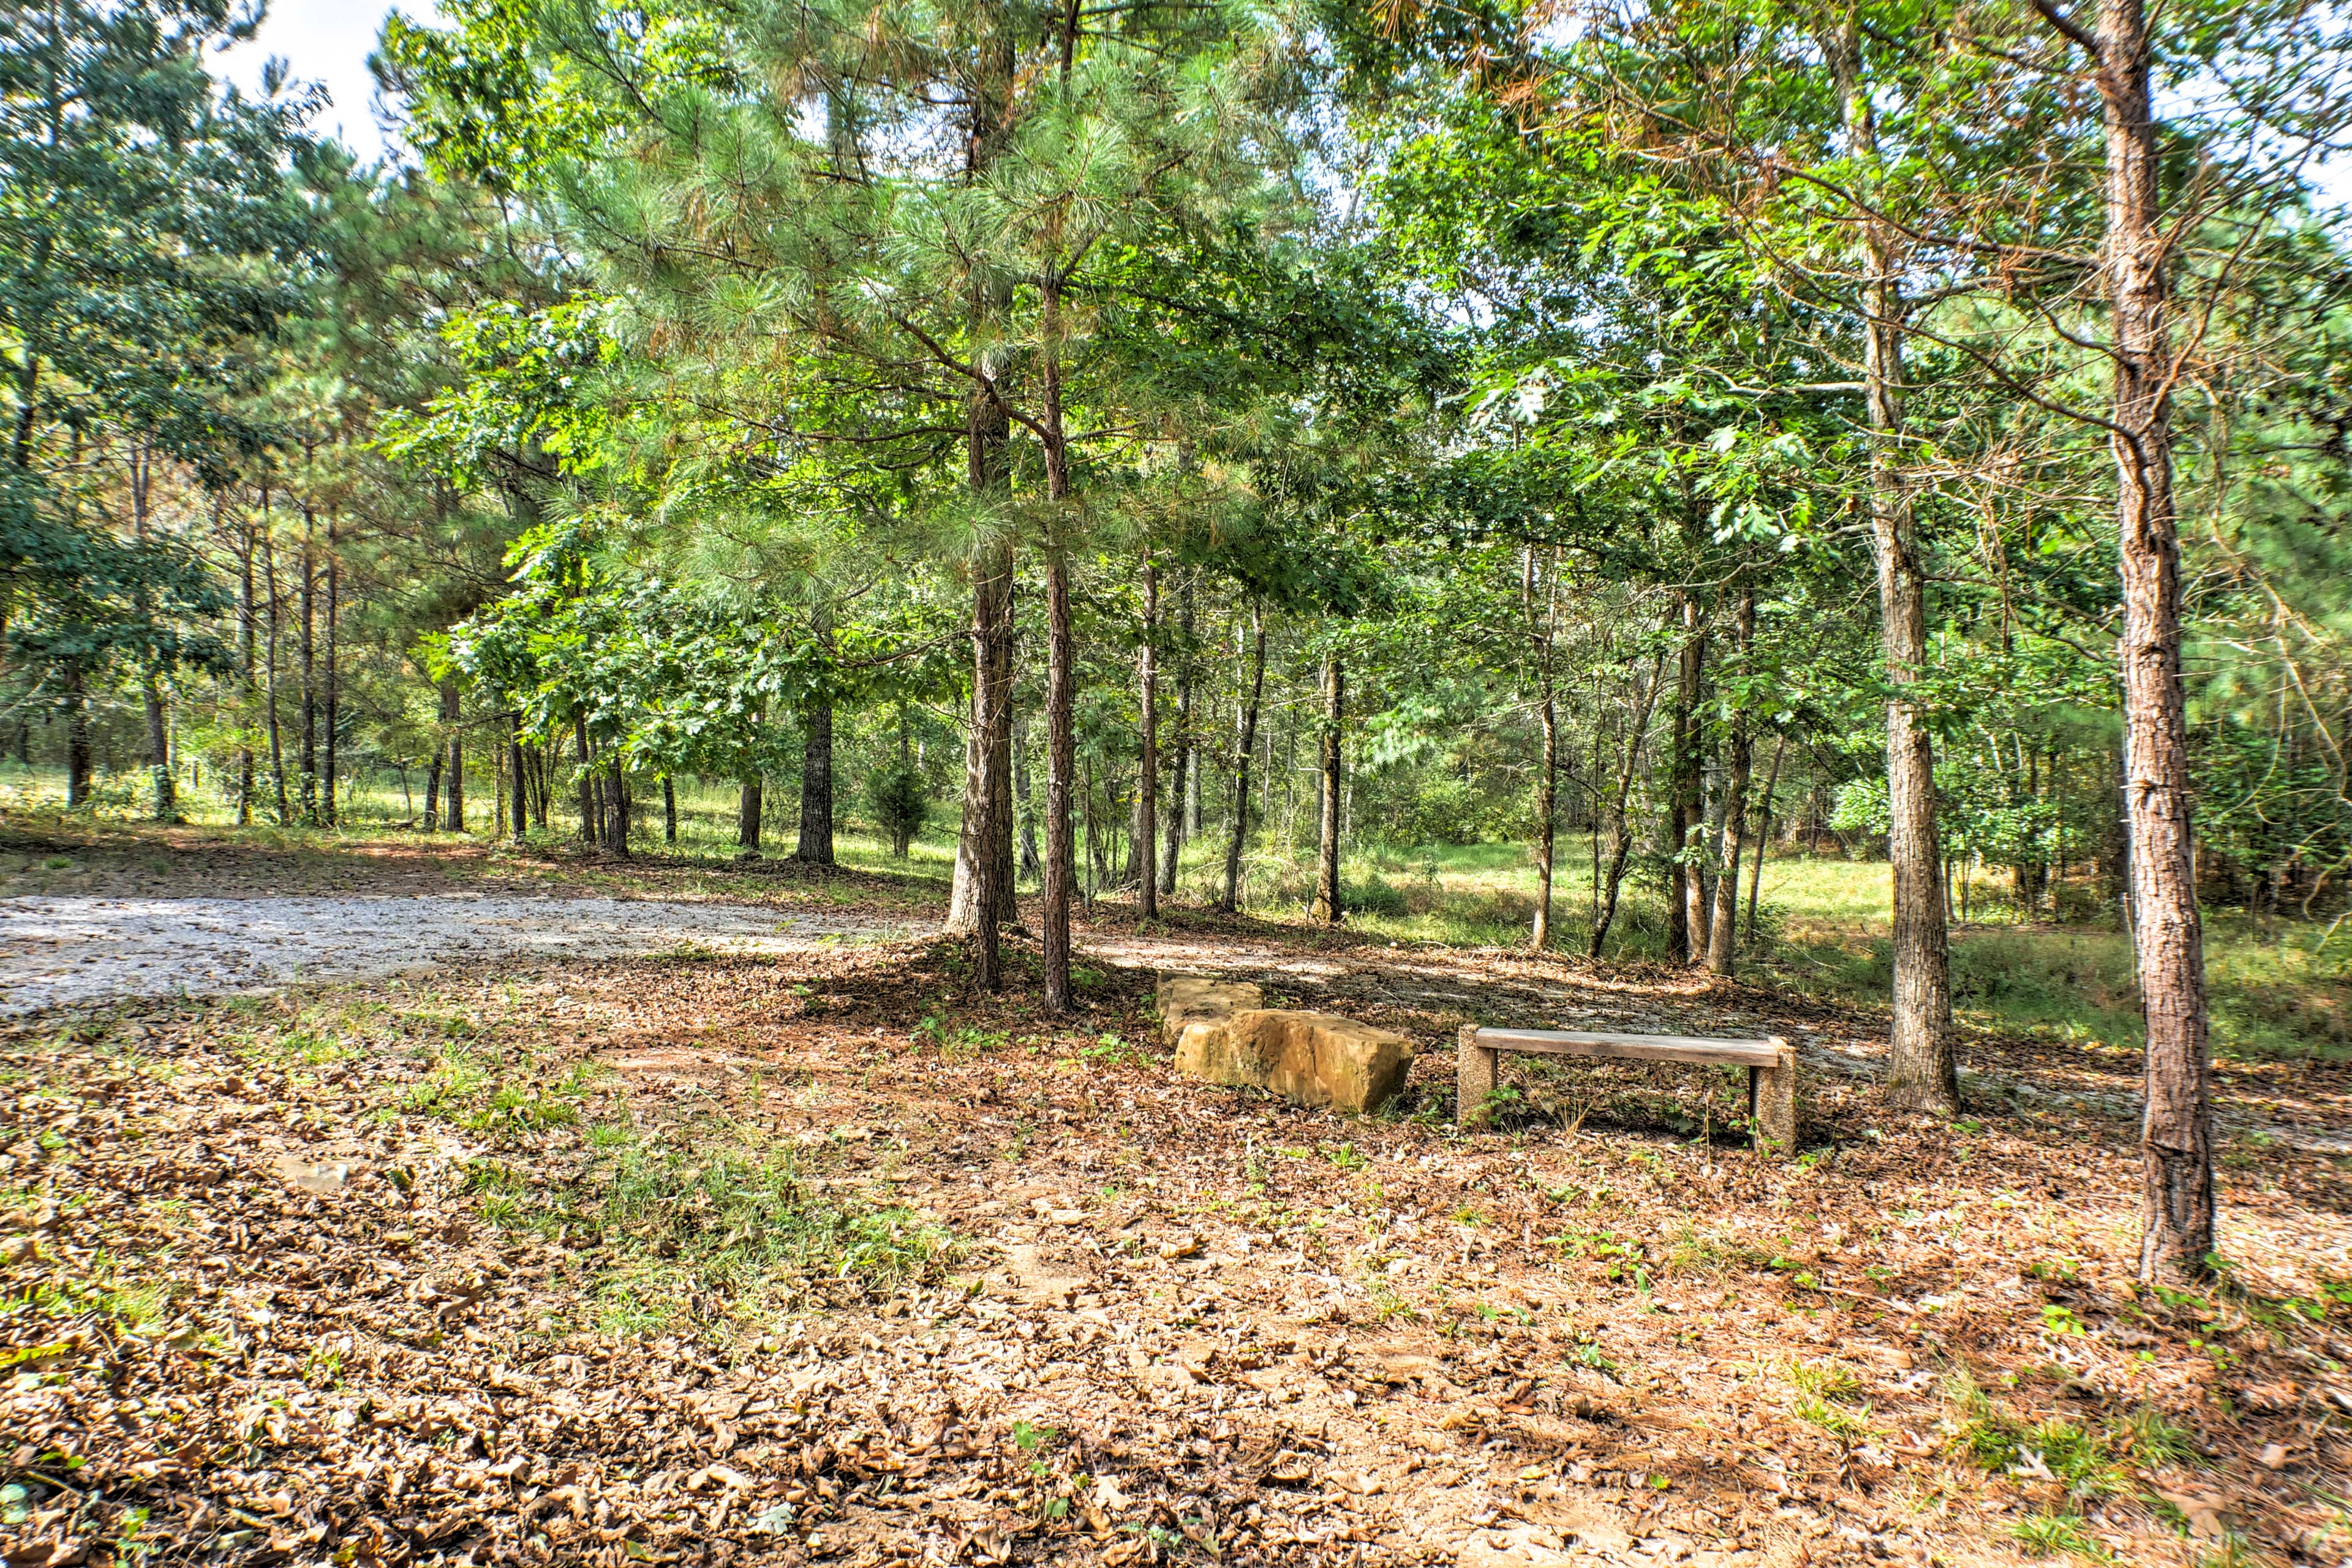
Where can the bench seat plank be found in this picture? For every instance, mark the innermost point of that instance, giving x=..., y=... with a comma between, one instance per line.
x=1638, y=1047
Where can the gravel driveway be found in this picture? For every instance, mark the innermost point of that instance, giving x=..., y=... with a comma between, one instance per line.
x=63, y=951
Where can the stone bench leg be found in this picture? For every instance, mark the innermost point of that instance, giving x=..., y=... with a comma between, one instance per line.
x=1772, y=1101
x=1473, y=1076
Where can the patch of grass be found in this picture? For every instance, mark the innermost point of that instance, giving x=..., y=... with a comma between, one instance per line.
x=1826, y=1380
x=461, y=1088
x=2090, y=1463
x=2048, y=1535
x=1846, y=1426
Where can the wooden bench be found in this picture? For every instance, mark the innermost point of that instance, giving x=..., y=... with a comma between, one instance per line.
x=1771, y=1065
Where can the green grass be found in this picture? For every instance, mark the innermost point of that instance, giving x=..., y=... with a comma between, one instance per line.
x=2279, y=991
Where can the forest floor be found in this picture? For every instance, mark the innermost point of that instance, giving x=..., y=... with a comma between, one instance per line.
x=819, y=1255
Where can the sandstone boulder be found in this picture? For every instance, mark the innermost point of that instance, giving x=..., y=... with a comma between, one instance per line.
x=1187, y=1001
x=1318, y=1059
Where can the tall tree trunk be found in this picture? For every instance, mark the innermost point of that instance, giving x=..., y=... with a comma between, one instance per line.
x=1061, y=658
x=1244, y=748
x=77, y=736
x=983, y=878
x=616, y=808
x=1327, y=906
x=816, y=846
x=1539, y=635
x=1061, y=765
x=670, y=811
x=334, y=670
x=1145, y=835
x=1922, y=1074
x=159, y=749
x=1687, y=806
x=590, y=820
x=520, y=817
x=1723, y=935
x=450, y=715
x=276, y=739
x=248, y=682
x=1032, y=865
x=1620, y=833
x=432, y=823
x=305, y=598
x=1183, y=786
x=747, y=818
x=1764, y=830
x=2176, y=1131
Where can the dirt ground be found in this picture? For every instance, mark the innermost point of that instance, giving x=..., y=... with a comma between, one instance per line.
x=820, y=1255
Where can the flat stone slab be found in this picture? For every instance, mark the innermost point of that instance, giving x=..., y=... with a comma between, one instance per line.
x=1317, y=1060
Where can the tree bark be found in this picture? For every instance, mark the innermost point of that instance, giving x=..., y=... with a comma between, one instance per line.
x=2176, y=1129
x=816, y=846
x=670, y=811
x=1621, y=834
x=455, y=821
x=334, y=671
x=616, y=808
x=1686, y=811
x=1540, y=636
x=1723, y=935
x=276, y=739
x=159, y=749
x=1146, y=831
x=520, y=815
x=1061, y=764
x=1764, y=829
x=306, y=603
x=591, y=823
x=984, y=878
x=1922, y=1074
x=248, y=684
x=1244, y=748
x=747, y=818
x=77, y=736
x=1327, y=906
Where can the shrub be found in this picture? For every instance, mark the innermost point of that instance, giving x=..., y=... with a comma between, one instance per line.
x=900, y=802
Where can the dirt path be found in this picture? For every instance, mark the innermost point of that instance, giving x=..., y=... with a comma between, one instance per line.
x=65, y=950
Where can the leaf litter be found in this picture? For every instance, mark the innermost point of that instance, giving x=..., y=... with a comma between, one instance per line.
x=824, y=1258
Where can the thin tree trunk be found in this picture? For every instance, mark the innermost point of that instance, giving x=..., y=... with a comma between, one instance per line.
x=248, y=682
x=670, y=811
x=1764, y=831
x=1539, y=634
x=816, y=846
x=1922, y=1073
x=617, y=808
x=520, y=815
x=77, y=736
x=334, y=670
x=1033, y=865
x=1061, y=662
x=307, y=787
x=591, y=823
x=455, y=821
x=981, y=879
x=277, y=741
x=2177, y=1131
x=747, y=818
x=1061, y=764
x=1183, y=791
x=1620, y=833
x=1686, y=922
x=159, y=749
x=1244, y=747
x=432, y=792
x=1327, y=907
x=1146, y=833
x=1723, y=935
